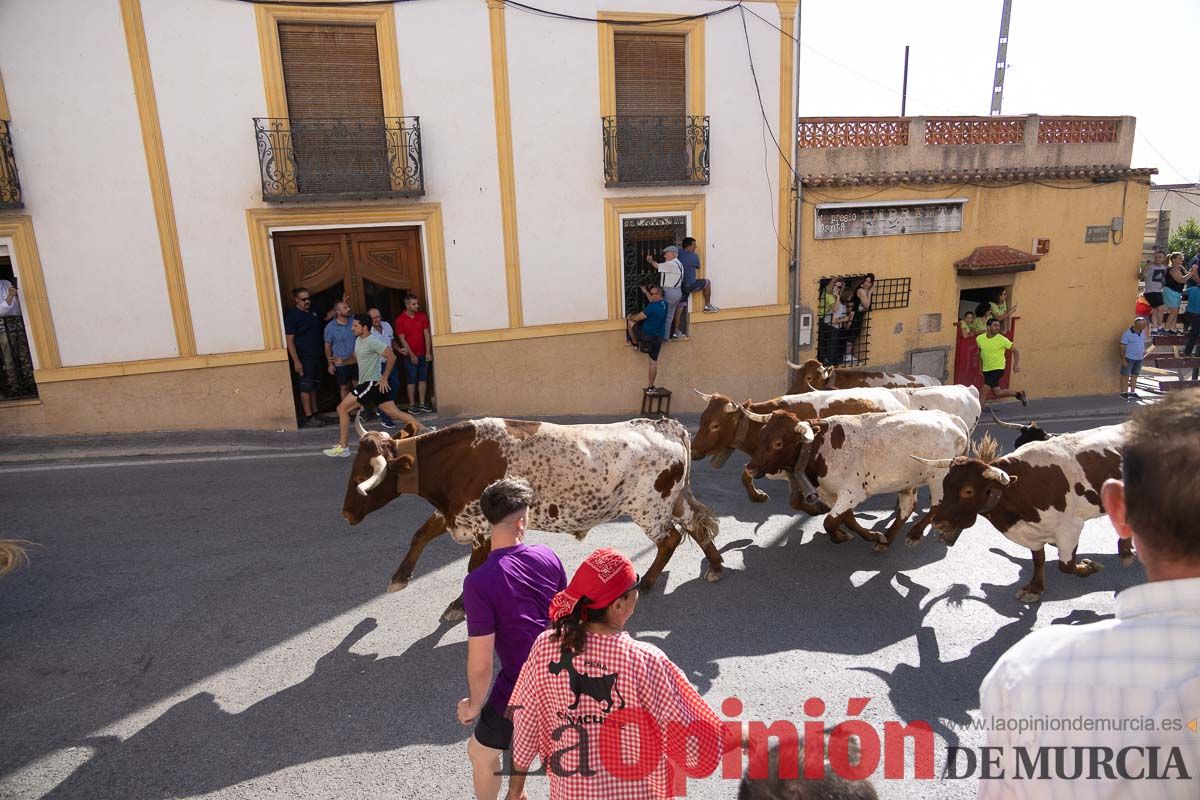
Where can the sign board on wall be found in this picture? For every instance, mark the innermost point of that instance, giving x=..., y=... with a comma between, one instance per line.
x=1096, y=234
x=888, y=218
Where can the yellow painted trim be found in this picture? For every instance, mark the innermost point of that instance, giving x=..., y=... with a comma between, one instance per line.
x=693, y=29
x=267, y=18
x=18, y=403
x=614, y=207
x=3, y=101
x=122, y=368
x=504, y=160
x=787, y=138
x=160, y=183
x=594, y=326
x=35, y=303
x=260, y=222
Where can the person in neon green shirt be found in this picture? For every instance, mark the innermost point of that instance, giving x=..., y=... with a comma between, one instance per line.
x=971, y=326
x=992, y=347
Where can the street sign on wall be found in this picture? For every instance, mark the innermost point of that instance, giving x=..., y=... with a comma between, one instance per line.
x=895, y=218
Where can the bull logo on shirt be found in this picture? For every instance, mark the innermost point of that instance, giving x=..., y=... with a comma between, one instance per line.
x=598, y=687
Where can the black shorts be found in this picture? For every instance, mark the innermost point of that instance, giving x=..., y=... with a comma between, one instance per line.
x=650, y=345
x=312, y=364
x=1155, y=299
x=369, y=393
x=493, y=730
x=992, y=377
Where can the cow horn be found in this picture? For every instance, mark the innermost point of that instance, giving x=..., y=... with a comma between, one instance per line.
x=944, y=463
x=706, y=397
x=763, y=418
x=998, y=475
x=805, y=430
x=358, y=426
x=378, y=470
x=1002, y=422
x=794, y=366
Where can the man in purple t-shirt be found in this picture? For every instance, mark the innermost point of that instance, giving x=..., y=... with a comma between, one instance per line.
x=507, y=600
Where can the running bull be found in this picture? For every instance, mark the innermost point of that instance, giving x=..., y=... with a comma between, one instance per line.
x=582, y=475
x=813, y=376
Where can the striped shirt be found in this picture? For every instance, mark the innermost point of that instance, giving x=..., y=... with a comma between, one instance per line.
x=1120, y=677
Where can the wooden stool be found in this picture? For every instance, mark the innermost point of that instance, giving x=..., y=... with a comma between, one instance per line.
x=652, y=402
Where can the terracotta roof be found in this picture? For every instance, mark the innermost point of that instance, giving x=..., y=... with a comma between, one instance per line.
x=996, y=258
x=1013, y=175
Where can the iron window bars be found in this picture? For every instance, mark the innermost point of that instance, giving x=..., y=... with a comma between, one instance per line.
x=850, y=346
x=10, y=184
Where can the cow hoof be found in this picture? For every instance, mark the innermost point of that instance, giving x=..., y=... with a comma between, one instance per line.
x=1090, y=567
x=1127, y=561
x=713, y=574
x=453, y=614
x=912, y=542
x=761, y=497
x=1026, y=596
x=396, y=586
x=879, y=547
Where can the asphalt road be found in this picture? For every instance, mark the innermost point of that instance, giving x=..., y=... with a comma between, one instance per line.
x=211, y=627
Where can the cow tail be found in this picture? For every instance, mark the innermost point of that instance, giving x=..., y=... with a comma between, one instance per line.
x=697, y=518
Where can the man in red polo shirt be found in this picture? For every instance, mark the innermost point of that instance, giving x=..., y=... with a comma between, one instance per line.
x=412, y=329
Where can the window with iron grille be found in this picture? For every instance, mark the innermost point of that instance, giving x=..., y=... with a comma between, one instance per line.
x=641, y=237
x=844, y=330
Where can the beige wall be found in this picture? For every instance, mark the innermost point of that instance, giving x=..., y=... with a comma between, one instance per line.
x=1072, y=307
x=251, y=397
x=597, y=373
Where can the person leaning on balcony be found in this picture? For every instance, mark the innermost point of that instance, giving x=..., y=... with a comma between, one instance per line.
x=1140, y=666
x=671, y=279
x=999, y=310
x=971, y=326
x=692, y=284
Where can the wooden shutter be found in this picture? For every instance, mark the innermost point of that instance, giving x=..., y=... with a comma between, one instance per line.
x=335, y=107
x=330, y=70
x=651, y=74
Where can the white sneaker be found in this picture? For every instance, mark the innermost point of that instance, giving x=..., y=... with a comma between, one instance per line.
x=678, y=337
x=711, y=309
x=337, y=451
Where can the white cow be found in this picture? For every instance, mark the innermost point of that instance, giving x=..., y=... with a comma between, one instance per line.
x=961, y=401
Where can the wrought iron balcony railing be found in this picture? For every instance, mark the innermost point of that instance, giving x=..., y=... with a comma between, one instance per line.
x=655, y=151
x=10, y=184
x=342, y=158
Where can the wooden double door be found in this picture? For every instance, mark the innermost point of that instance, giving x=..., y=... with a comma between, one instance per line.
x=371, y=267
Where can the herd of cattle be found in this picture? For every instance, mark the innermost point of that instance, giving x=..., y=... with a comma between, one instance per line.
x=838, y=438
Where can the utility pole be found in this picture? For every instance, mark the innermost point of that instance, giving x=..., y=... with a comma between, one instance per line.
x=904, y=90
x=1001, y=59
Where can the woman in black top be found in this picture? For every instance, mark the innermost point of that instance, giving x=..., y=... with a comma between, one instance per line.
x=859, y=304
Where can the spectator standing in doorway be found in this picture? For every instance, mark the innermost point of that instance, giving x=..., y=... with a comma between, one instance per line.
x=828, y=334
x=1141, y=665
x=507, y=602
x=303, y=329
x=992, y=347
x=1133, y=351
x=671, y=279
x=971, y=326
x=339, y=347
x=381, y=329
x=412, y=329
x=1174, y=284
x=999, y=310
x=375, y=362
x=690, y=260
x=1155, y=275
x=647, y=329
x=861, y=304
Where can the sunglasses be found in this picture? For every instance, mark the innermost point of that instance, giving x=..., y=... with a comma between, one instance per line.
x=304, y=299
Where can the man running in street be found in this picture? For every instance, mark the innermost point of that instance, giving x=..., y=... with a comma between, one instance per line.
x=370, y=352
x=992, y=347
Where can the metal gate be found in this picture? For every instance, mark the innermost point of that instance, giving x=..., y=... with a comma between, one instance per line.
x=641, y=237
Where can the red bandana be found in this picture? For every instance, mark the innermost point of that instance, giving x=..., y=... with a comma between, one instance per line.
x=603, y=576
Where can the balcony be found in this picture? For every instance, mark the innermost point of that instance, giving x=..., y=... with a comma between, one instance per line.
x=339, y=159
x=655, y=151
x=10, y=184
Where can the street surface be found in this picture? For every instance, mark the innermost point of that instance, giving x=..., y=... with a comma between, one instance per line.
x=211, y=627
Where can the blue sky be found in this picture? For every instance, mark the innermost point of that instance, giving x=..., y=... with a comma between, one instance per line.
x=1065, y=57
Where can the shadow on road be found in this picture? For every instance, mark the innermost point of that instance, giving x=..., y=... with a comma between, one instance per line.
x=352, y=703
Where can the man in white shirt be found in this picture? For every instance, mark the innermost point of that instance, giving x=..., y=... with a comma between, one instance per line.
x=10, y=303
x=381, y=329
x=1123, y=692
x=671, y=272
x=10, y=307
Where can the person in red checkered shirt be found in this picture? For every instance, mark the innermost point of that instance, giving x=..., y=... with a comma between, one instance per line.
x=608, y=716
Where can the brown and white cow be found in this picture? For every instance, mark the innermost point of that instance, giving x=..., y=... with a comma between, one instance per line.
x=812, y=376
x=582, y=475
x=851, y=458
x=725, y=428
x=1037, y=495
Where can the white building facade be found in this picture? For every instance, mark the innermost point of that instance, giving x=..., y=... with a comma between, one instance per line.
x=184, y=164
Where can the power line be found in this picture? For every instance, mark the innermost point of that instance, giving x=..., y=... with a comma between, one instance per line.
x=1174, y=169
x=543, y=12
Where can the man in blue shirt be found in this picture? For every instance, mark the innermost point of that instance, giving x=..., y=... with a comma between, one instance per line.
x=1133, y=351
x=648, y=337
x=691, y=284
x=339, y=347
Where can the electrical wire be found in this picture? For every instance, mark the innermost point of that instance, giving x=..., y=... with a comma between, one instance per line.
x=543, y=12
x=1174, y=169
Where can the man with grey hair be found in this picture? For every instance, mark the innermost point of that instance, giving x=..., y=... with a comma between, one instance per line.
x=671, y=279
x=507, y=600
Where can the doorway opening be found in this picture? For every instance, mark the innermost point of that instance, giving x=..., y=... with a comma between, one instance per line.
x=978, y=301
x=16, y=362
x=369, y=268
